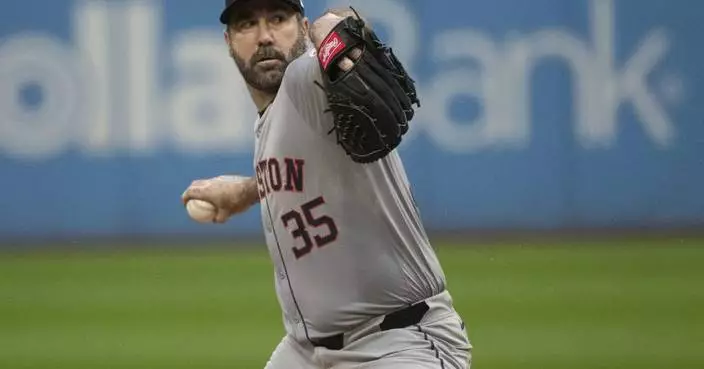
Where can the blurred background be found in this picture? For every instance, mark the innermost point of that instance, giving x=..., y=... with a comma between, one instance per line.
x=557, y=159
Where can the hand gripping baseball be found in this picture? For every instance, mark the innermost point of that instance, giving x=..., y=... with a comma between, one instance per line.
x=229, y=194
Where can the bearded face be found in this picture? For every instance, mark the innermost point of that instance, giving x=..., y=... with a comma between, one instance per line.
x=263, y=43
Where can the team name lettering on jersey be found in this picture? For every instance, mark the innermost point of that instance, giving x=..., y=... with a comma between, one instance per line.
x=275, y=175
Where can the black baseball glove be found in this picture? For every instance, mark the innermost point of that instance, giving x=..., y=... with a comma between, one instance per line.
x=371, y=103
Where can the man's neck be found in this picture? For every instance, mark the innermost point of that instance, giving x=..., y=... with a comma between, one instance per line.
x=261, y=99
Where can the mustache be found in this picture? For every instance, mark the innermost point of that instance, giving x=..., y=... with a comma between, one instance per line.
x=267, y=52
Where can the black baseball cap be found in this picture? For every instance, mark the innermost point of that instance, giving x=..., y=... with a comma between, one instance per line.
x=229, y=4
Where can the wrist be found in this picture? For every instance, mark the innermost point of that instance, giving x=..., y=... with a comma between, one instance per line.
x=322, y=26
x=252, y=191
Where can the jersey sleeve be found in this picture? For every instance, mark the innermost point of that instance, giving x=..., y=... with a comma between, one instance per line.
x=308, y=98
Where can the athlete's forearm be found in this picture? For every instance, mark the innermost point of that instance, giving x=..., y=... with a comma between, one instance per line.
x=240, y=191
x=252, y=191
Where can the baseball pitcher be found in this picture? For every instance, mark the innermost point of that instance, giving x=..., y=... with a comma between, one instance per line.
x=357, y=280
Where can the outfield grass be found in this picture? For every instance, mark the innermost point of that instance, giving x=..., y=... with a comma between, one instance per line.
x=627, y=304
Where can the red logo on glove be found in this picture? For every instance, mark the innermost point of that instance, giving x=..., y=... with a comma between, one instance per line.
x=331, y=46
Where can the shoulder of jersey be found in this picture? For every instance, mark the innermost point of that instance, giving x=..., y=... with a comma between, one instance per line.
x=302, y=69
x=303, y=62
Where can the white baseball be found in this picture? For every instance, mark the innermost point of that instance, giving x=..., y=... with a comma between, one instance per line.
x=201, y=211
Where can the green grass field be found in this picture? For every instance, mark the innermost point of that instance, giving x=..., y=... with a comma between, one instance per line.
x=620, y=304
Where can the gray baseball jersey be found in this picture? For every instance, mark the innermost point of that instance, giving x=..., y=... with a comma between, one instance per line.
x=346, y=239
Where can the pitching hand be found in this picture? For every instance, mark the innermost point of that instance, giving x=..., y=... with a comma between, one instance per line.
x=230, y=194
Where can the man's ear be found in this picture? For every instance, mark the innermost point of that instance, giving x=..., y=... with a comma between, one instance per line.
x=226, y=34
x=306, y=25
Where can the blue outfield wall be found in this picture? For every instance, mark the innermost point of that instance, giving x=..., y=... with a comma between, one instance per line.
x=538, y=114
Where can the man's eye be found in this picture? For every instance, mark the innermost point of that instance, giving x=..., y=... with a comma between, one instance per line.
x=246, y=24
x=278, y=19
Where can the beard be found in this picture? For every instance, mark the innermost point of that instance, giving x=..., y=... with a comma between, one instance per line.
x=268, y=79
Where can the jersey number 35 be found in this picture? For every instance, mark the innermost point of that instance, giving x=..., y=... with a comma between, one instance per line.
x=302, y=221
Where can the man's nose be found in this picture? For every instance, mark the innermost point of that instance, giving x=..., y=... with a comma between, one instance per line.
x=265, y=36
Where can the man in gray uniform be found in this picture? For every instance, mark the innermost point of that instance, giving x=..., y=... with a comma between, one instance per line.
x=358, y=282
